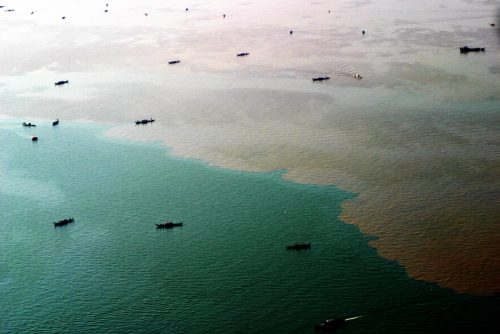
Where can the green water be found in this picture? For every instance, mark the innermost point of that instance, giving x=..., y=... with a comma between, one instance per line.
x=225, y=271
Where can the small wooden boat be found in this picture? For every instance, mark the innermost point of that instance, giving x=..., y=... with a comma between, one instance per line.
x=168, y=225
x=172, y=62
x=34, y=138
x=64, y=222
x=28, y=124
x=242, y=54
x=144, y=121
x=55, y=122
x=321, y=78
x=299, y=246
x=330, y=325
x=466, y=49
x=60, y=83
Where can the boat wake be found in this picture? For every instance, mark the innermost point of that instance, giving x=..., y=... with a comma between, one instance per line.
x=331, y=68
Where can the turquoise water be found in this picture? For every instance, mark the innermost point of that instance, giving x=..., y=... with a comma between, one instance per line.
x=225, y=271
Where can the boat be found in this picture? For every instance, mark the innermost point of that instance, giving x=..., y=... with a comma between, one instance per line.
x=299, y=246
x=172, y=62
x=321, y=78
x=242, y=54
x=62, y=82
x=64, y=222
x=358, y=76
x=466, y=49
x=28, y=124
x=34, y=138
x=55, y=122
x=144, y=121
x=330, y=325
x=168, y=225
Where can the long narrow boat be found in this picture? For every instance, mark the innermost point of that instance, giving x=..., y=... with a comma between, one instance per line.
x=466, y=49
x=242, y=54
x=64, y=222
x=321, y=78
x=28, y=124
x=144, y=121
x=168, y=225
x=62, y=82
x=330, y=325
x=299, y=246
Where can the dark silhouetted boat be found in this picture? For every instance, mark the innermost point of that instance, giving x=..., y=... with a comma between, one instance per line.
x=321, y=78
x=492, y=24
x=299, y=246
x=34, y=138
x=55, y=122
x=28, y=124
x=168, y=225
x=9, y=10
x=466, y=49
x=64, y=222
x=144, y=121
x=330, y=325
x=242, y=54
x=172, y=62
x=62, y=82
